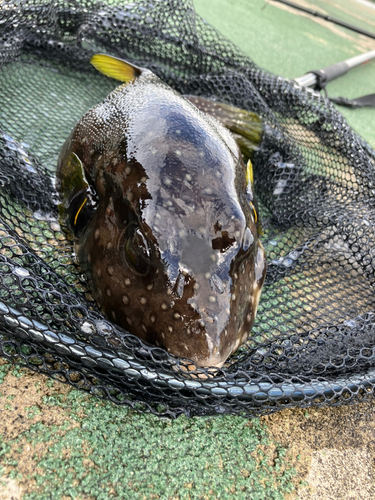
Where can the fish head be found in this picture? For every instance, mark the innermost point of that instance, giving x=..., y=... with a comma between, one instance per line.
x=171, y=247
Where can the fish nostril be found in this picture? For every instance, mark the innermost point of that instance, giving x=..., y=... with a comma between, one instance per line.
x=180, y=285
x=216, y=284
x=217, y=227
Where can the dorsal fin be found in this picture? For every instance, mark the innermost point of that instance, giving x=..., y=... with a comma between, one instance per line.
x=115, y=68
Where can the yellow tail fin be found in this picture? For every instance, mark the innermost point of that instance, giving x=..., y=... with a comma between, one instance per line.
x=115, y=68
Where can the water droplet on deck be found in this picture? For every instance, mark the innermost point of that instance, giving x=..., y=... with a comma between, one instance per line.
x=20, y=271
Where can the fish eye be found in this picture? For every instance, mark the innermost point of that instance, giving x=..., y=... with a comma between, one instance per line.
x=137, y=253
x=81, y=211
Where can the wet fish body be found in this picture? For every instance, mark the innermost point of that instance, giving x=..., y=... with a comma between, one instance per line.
x=165, y=228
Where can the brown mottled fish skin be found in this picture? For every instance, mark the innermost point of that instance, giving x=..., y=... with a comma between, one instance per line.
x=172, y=251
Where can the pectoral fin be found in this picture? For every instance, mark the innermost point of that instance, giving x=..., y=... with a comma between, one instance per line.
x=247, y=127
x=115, y=68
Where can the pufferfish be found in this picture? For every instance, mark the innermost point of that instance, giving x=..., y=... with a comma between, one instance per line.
x=155, y=190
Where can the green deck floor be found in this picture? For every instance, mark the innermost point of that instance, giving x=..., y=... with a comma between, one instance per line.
x=75, y=446
x=290, y=43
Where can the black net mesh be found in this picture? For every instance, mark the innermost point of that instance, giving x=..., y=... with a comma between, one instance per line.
x=313, y=340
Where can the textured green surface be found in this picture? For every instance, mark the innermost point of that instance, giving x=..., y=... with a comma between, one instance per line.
x=289, y=43
x=101, y=451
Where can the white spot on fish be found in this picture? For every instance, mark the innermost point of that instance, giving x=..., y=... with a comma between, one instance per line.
x=248, y=318
x=212, y=299
x=129, y=321
x=96, y=234
x=177, y=315
x=109, y=245
x=233, y=297
x=110, y=270
x=144, y=328
x=170, y=328
x=178, y=152
x=188, y=177
x=99, y=272
x=143, y=300
x=152, y=318
x=125, y=299
x=109, y=293
x=164, y=306
x=167, y=181
x=207, y=276
x=127, y=281
x=150, y=287
x=127, y=170
x=207, y=190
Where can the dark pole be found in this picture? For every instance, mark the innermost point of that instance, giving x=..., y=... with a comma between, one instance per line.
x=327, y=18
